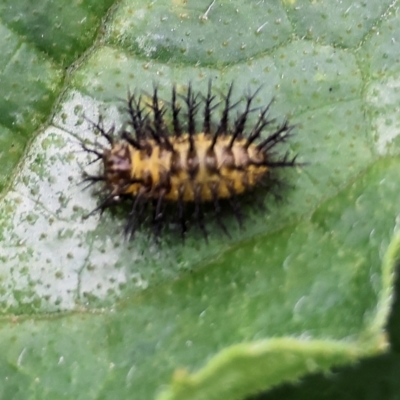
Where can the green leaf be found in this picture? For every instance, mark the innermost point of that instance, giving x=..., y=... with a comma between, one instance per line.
x=304, y=287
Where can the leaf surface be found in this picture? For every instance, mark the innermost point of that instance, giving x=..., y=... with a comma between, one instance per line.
x=306, y=285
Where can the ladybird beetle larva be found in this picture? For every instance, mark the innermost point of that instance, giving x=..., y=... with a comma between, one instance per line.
x=158, y=164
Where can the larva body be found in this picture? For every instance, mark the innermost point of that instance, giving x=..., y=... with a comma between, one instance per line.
x=182, y=175
x=151, y=163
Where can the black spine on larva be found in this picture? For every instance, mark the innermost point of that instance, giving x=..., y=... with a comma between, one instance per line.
x=224, y=123
x=235, y=204
x=217, y=208
x=133, y=142
x=160, y=132
x=181, y=210
x=107, y=202
x=286, y=161
x=282, y=134
x=139, y=123
x=208, y=109
x=192, y=106
x=108, y=135
x=100, y=128
x=198, y=211
x=158, y=216
x=175, y=114
x=135, y=113
x=92, y=151
x=260, y=125
x=134, y=216
x=240, y=122
x=91, y=179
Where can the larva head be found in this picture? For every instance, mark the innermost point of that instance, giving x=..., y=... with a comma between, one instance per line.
x=117, y=166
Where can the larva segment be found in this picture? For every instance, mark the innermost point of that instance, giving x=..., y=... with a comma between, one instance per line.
x=156, y=165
